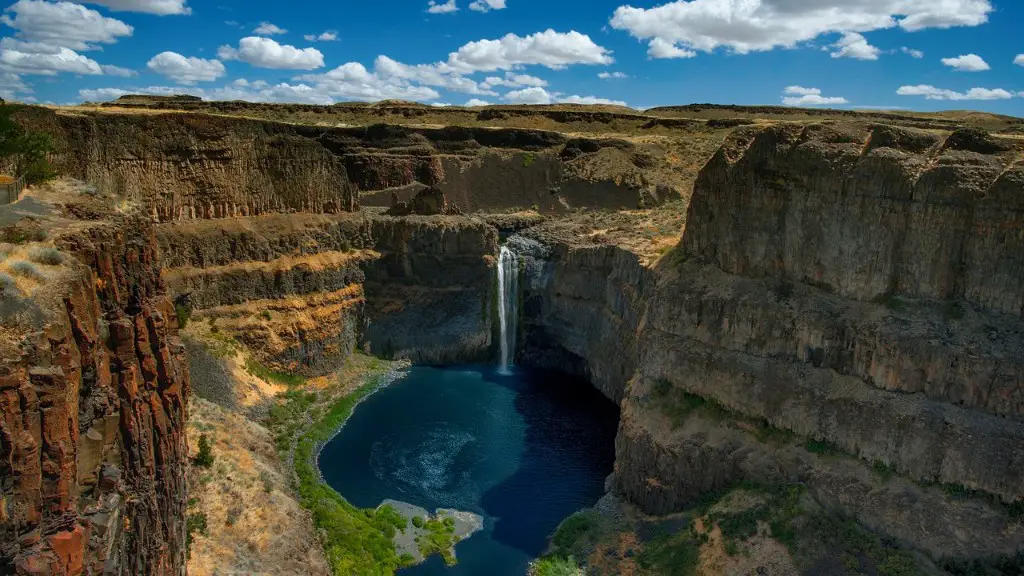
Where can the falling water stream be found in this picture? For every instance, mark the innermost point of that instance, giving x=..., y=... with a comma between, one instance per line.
x=508, y=313
x=521, y=448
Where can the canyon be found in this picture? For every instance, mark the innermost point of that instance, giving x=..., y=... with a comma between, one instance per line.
x=830, y=303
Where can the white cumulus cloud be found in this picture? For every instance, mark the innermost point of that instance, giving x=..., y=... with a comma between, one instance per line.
x=660, y=48
x=159, y=7
x=186, y=70
x=967, y=63
x=352, y=81
x=63, y=24
x=446, y=8
x=427, y=74
x=33, y=58
x=854, y=45
x=612, y=75
x=912, y=52
x=476, y=102
x=487, y=5
x=250, y=92
x=744, y=26
x=933, y=93
x=268, y=29
x=537, y=95
x=512, y=80
x=801, y=96
x=118, y=71
x=267, y=53
x=328, y=36
x=551, y=49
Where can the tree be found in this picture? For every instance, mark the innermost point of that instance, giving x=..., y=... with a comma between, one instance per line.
x=26, y=151
x=205, y=456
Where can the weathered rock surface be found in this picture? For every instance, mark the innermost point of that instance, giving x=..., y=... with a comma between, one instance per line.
x=856, y=289
x=412, y=287
x=867, y=214
x=194, y=166
x=93, y=391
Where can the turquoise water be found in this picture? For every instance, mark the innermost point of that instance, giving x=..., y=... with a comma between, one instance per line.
x=523, y=450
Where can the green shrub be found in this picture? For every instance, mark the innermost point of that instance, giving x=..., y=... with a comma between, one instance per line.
x=528, y=159
x=417, y=521
x=46, y=256
x=29, y=150
x=184, y=313
x=575, y=527
x=205, y=456
x=555, y=566
x=676, y=555
x=25, y=269
x=742, y=525
x=263, y=373
x=822, y=447
x=8, y=287
x=196, y=522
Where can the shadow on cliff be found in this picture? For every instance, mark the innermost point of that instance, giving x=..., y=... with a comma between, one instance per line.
x=570, y=427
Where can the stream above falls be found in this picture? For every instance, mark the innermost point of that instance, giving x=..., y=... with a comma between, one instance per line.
x=524, y=449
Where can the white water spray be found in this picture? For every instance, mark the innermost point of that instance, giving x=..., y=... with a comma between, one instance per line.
x=508, y=313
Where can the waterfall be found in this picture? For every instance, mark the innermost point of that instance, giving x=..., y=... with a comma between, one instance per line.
x=508, y=293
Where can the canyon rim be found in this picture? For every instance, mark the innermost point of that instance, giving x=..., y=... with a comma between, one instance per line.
x=811, y=323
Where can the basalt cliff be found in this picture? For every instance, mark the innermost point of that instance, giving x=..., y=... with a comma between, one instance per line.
x=93, y=396
x=833, y=304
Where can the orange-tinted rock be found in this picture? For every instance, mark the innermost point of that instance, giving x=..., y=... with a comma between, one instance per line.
x=92, y=415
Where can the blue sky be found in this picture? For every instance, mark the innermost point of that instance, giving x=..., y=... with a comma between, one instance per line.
x=915, y=54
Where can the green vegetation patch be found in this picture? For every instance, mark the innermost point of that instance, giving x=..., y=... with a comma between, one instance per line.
x=205, y=456
x=356, y=541
x=677, y=404
x=27, y=151
x=672, y=555
x=438, y=539
x=575, y=528
x=263, y=373
x=555, y=566
x=195, y=522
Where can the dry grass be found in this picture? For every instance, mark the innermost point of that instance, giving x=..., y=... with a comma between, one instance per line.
x=315, y=262
x=273, y=326
x=251, y=530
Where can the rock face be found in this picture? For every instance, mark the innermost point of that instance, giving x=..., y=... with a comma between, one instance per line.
x=858, y=291
x=194, y=166
x=186, y=167
x=867, y=214
x=582, y=308
x=304, y=290
x=93, y=391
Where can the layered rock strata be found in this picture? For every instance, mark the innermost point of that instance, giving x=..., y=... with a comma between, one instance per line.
x=857, y=291
x=303, y=290
x=194, y=166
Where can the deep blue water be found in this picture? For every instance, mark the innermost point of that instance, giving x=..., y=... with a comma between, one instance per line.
x=523, y=450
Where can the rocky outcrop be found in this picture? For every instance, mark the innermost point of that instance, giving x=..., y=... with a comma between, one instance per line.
x=93, y=391
x=581, y=310
x=193, y=166
x=302, y=290
x=186, y=167
x=845, y=303
x=867, y=214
